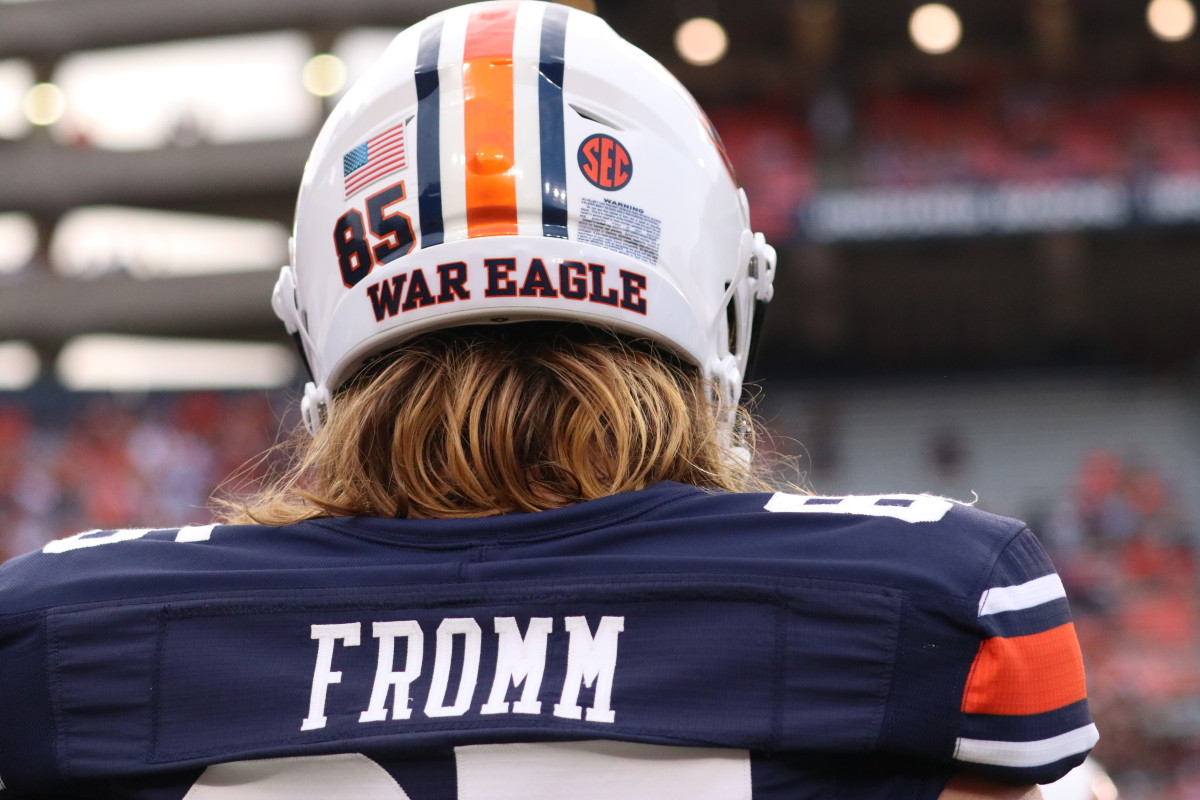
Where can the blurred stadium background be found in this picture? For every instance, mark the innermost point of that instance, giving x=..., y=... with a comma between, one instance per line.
x=988, y=217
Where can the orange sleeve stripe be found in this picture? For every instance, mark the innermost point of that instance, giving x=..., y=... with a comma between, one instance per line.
x=1026, y=674
x=488, y=119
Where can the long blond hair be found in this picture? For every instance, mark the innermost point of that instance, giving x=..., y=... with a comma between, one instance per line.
x=489, y=420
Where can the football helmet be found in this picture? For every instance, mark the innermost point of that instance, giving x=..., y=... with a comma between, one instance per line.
x=514, y=161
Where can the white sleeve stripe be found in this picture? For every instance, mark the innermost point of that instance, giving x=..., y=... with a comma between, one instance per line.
x=1024, y=595
x=1026, y=754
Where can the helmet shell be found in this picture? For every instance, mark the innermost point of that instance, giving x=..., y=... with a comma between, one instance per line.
x=514, y=161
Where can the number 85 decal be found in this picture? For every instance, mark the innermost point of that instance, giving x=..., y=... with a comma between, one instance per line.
x=393, y=233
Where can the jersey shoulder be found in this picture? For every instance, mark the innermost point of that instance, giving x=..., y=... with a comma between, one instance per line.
x=918, y=540
x=108, y=565
x=888, y=510
x=987, y=668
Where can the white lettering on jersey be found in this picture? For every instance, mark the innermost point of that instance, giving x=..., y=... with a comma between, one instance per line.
x=519, y=661
x=904, y=507
x=387, y=633
x=435, y=705
x=323, y=673
x=590, y=659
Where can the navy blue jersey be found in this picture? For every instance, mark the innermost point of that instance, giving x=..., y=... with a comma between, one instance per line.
x=671, y=642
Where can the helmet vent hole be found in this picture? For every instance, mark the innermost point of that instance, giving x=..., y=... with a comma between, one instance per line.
x=592, y=116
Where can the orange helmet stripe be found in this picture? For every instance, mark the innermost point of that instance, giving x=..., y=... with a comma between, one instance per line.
x=491, y=191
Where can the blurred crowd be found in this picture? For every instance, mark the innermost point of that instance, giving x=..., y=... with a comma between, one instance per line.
x=1007, y=132
x=105, y=462
x=1127, y=555
x=1125, y=549
x=1030, y=132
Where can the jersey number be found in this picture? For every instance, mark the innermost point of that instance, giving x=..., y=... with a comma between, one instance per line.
x=191, y=533
x=392, y=232
x=588, y=770
x=904, y=507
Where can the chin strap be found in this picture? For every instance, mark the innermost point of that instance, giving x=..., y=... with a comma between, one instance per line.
x=724, y=376
x=314, y=407
x=724, y=381
x=286, y=306
x=762, y=271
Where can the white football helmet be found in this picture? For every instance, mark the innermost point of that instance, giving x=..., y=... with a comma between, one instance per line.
x=514, y=161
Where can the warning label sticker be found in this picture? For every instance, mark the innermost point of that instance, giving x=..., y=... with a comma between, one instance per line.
x=621, y=227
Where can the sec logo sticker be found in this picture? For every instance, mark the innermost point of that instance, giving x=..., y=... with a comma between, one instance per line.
x=605, y=162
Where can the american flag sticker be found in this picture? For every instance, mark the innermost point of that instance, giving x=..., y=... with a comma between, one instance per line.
x=375, y=158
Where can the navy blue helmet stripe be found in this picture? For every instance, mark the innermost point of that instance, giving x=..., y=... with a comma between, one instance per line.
x=429, y=165
x=550, y=98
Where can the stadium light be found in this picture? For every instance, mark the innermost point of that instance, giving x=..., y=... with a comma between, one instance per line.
x=701, y=41
x=149, y=243
x=222, y=89
x=18, y=241
x=44, y=104
x=1171, y=20
x=109, y=363
x=16, y=77
x=323, y=75
x=935, y=28
x=19, y=366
